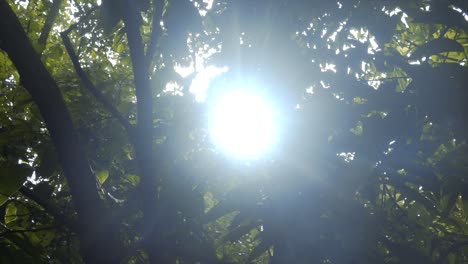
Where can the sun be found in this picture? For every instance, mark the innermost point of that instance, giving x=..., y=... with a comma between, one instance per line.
x=243, y=124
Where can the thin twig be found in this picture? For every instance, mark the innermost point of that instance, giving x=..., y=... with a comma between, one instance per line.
x=78, y=6
x=11, y=231
x=444, y=31
x=4, y=226
x=55, y=212
x=90, y=86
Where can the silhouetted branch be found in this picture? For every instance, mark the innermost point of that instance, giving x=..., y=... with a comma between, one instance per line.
x=452, y=248
x=54, y=10
x=90, y=86
x=144, y=135
x=83, y=18
x=58, y=216
x=155, y=30
x=12, y=231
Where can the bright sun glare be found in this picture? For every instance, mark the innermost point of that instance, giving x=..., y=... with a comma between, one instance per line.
x=243, y=124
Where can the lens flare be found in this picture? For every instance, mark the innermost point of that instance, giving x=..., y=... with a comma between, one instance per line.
x=243, y=124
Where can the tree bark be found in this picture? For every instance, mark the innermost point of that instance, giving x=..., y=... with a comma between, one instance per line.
x=54, y=10
x=146, y=160
x=99, y=243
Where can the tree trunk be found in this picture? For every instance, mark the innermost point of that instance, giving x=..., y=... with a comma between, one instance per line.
x=98, y=241
x=146, y=160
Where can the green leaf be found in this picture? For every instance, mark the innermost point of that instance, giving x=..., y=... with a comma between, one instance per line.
x=117, y=39
x=240, y=218
x=358, y=129
x=406, y=253
x=20, y=241
x=10, y=213
x=102, y=176
x=449, y=203
x=12, y=178
x=452, y=259
x=120, y=48
x=42, y=238
x=258, y=250
x=132, y=179
x=222, y=208
x=465, y=202
x=237, y=233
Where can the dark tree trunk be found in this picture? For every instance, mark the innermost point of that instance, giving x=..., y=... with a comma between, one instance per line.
x=147, y=164
x=98, y=240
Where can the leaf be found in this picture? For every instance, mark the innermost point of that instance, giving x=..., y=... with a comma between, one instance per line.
x=26, y=247
x=17, y=215
x=42, y=238
x=406, y=253
x=218, y=210
x=117, y=39
x=258, y=250
x=452, y=259
x=10, y=213
x=120, y=48
x=102, y=176
x=238, y=220
x=358, y=129
x=465, y=202
x=12, y=178
x=9, y=253
x=132, y=179
x=449, y=203
x=412, y=194
x=237, y=233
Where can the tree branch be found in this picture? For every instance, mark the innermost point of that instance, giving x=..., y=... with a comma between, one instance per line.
x=144, y=96
x=54, y=10
x=158, y=7
x=12, y=231
x=90, y=86
x=58, y=216
x=101, y=236
x=452, y=248
x=83, y=18
x=147, y=164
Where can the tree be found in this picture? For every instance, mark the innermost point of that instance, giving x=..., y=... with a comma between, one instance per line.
x=104, y=150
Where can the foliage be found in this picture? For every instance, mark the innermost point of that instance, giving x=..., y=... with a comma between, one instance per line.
x=372, y=165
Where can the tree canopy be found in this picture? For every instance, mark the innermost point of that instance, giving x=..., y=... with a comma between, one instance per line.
x=106, y=152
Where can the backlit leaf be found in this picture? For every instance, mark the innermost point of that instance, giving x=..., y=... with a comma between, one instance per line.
x=102, y=176
x=12, y=178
